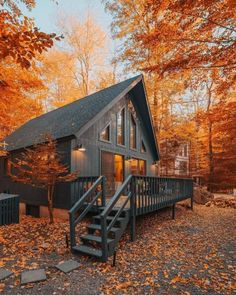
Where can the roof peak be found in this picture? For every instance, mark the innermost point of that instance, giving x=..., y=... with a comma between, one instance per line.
x=87, y=96
x=68, y=119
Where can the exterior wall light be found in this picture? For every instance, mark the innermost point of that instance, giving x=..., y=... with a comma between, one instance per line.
x=80, y=147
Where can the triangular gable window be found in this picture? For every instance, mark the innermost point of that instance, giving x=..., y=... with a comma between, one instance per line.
x=106, y=133
x=143, y=147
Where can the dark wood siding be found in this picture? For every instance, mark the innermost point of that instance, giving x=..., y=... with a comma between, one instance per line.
x=89, y=161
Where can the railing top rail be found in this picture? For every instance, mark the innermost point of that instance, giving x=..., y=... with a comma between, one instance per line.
x=163, y=177
x=85, y=177
x=116, y=196
x=84, y=197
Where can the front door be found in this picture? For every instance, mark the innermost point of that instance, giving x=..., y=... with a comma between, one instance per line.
x=112, y=167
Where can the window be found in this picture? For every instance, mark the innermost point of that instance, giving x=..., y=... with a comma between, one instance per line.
x=121, y=127
x=143, y=147
x=133, y=133
x=142, y=167
x=134, y=166
x=105, y=134
x=138, y=167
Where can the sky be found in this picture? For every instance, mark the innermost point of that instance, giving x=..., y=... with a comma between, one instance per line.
x=46, y=12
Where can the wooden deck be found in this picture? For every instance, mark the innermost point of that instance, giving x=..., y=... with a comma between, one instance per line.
x=137, y=195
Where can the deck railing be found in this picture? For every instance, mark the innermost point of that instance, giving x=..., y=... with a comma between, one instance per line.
x=80, y=186
x=153, y=193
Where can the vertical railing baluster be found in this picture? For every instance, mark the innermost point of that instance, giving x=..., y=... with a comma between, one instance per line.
x=104, y=238
x=72, y=230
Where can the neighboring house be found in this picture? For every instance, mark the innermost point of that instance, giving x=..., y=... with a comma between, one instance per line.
x=182, y=160
x=106, y=133
x=174, y=158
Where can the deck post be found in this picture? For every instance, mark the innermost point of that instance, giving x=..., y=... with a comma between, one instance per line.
x=72, y=230
x=173, y=211
x=103, y=192
x=104, y=239
x=132, y=210
x=192, y=192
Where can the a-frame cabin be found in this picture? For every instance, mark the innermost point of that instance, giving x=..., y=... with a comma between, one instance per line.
x=109, y=137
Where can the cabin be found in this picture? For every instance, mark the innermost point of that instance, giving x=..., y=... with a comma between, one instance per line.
x=109, y=138
x=107, y=133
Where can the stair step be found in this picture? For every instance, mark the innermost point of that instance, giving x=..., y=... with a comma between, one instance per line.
x=109, y=218
x=93, y=238
x=88, y=250
x=98, y=227
x=114, y=209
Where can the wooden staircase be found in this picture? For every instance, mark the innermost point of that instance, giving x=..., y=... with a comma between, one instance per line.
x=91, y=243
x=107, y=227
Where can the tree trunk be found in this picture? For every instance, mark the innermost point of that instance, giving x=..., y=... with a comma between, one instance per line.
x=50, y=203
x=210, y=144
x=211, y=162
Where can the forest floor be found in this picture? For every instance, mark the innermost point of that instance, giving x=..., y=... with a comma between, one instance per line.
x=193, y=254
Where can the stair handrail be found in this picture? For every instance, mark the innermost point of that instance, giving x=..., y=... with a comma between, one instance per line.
x=116, y=197
x=104, y=228
x=80, y=203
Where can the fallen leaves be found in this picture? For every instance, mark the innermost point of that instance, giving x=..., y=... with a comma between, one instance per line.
x=194, y=252
x=21, y=244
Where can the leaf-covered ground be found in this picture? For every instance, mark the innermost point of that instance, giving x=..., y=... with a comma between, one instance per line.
x=194, y=254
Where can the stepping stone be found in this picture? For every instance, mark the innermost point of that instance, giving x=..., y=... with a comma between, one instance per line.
x=68, y=266
x=33, y=276
x=5, y=273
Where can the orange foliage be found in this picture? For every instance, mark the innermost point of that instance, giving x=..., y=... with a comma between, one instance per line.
x=19, y=38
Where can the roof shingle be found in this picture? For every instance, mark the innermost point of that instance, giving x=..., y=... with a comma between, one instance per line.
x=67, y=120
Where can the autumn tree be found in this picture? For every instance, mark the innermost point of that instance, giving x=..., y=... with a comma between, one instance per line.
x=57, y=68
x=21, y=96
x=20, y=39
x=87, y=44
x=41, y=167
x=20, y=44
x=183, y=38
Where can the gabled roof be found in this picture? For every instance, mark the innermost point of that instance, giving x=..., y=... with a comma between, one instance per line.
x=71, y=118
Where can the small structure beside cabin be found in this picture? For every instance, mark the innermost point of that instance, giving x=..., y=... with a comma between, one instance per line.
x=9, y=209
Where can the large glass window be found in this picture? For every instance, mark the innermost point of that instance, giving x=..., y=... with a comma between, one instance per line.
x=105, y=134
x=133, y=133
x=142, y=167
x=138, y=167
x=134, y=167
x=121, y=127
